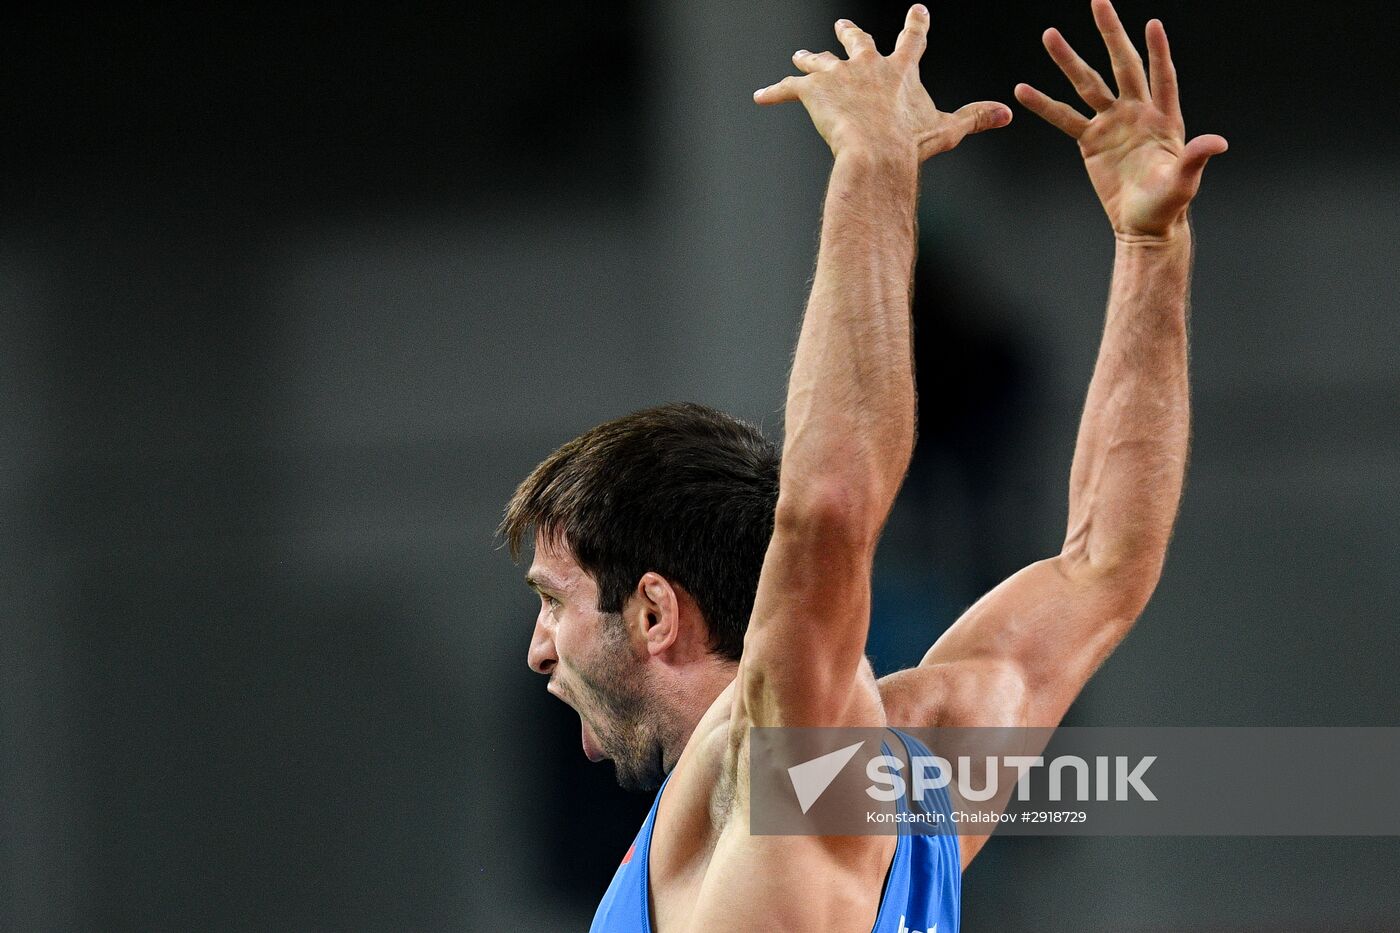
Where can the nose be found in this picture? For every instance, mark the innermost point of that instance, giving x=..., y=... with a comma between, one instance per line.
x=541, y=656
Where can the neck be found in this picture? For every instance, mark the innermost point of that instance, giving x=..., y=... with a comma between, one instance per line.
x=691, y=695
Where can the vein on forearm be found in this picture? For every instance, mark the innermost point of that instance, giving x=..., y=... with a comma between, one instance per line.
x=850, y=404
x=1130, y=458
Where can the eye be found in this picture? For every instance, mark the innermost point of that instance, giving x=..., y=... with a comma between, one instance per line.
x=549, y=601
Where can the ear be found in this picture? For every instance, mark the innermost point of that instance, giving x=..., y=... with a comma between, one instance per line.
x=658, y=609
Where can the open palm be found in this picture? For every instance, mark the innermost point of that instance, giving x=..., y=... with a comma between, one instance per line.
x=870, y=101
x=1135, y=148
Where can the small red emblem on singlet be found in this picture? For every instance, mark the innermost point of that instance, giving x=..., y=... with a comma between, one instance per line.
x=628, y=857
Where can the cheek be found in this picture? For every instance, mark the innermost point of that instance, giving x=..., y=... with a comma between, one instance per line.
x=581, y=646
x=571, y=640
x=563, y=641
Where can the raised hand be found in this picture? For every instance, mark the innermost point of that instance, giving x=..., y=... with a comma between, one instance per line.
x=1135, y=148
x=871, y=103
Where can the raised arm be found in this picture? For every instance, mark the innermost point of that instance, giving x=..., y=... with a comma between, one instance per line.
x=849, y=425
x=1023, y=652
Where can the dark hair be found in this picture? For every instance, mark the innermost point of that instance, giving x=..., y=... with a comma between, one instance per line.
x=682, y=490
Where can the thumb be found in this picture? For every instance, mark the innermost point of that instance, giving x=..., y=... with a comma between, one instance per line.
x=983, y=115
x=1197, y=152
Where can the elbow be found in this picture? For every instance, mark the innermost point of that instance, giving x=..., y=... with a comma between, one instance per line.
x=832, y=510
x=1124, y=577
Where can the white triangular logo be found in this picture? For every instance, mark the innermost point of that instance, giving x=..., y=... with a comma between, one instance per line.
x=811, y=778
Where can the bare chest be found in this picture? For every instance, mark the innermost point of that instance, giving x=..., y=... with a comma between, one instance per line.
x=706, y=871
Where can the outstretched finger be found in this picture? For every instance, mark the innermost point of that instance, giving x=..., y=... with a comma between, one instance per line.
x=1127, y=63
x=808, y=62
x=855, y=40
x=983, y=115
x=1159, y=59
x=1058, y=114
x=1087, y=82
x=780, y=93
x=914, y=39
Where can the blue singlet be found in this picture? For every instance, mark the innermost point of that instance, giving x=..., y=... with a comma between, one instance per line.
x=923, y=889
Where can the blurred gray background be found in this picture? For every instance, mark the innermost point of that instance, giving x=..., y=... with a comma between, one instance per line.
x=290, y=300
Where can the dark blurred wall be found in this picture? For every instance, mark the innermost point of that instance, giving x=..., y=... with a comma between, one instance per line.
x=290, y=300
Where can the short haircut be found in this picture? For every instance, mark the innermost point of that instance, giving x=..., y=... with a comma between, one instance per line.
x=680, y=489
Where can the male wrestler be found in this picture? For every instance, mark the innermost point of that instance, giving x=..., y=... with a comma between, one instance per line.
x=690, y=591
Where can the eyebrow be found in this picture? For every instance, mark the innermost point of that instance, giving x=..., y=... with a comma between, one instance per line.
x=541, y=582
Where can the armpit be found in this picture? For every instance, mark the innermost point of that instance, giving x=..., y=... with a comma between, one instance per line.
x=957, y=694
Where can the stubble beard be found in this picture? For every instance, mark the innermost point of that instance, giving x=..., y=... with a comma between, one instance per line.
x=630, y=729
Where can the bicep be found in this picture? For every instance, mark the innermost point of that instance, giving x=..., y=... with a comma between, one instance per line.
x=1047, y=625
x=805, y=643
x=1017, y=658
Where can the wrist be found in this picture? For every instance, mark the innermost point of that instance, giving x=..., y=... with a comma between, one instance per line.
x=888, y=157
x=1178, y=232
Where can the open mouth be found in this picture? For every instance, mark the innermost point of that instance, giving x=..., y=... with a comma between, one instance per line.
x=592, y=749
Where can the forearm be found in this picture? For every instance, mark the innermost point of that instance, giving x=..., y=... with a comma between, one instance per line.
x=849, y=421
x=1130, y=459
